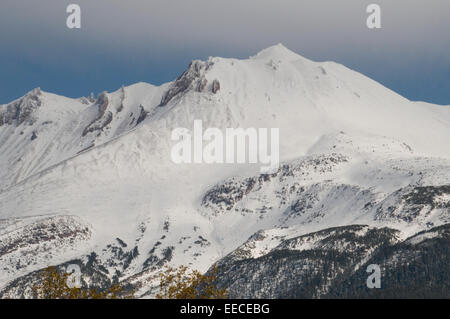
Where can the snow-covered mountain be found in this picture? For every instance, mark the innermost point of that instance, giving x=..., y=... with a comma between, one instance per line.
x=91, y=180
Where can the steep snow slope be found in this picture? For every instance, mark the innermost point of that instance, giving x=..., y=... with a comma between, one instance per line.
x=353, y=152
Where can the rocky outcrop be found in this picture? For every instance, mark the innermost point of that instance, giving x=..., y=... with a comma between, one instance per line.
x=228, y=195
x=215, y=86
x=191, y=79
x=103, y=118
x=415, y=203
x=142, y=115
x=21, y=111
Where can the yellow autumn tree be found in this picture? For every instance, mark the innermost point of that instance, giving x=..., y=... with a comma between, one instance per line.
x=53, y=285
x=182, y=283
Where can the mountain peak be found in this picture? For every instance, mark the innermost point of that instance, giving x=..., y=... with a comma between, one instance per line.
x=22, y=109
x=278, y=52
x=34, y=92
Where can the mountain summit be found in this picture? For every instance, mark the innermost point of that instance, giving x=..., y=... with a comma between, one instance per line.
x=278, y=52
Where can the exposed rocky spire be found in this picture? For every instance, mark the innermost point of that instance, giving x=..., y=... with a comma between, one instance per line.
x=192, y=78
x=21, y=110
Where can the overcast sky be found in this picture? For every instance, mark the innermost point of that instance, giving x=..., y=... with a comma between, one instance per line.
x=123, y=42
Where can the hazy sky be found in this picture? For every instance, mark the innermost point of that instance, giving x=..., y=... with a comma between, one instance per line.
x=123, y=42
